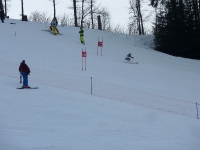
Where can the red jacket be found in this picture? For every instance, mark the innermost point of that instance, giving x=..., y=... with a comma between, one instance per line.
x=24, y=68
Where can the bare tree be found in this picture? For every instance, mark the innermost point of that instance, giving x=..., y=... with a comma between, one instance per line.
x=37, y=16
x=93, y=9
x=136, y=16
x=105, y=16
x=86, y=9
x=54, y=7
x=99, y=22
x=24, y=17
x=84, y=12
x=22, y=3
x=118, y=29
x=6, y=5
x=65, y=20
x=76, y=10
x=1, y=5
x=75, y=13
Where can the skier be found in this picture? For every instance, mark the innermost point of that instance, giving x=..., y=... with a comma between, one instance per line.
x=53, y=26
x=2, y=16
x=82, y=36
x=128, y=57
x=24, y=70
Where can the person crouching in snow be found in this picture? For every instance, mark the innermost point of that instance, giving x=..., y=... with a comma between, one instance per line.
x=53, y=26
x=128, y=57
x=24, y=70
x=81, y=32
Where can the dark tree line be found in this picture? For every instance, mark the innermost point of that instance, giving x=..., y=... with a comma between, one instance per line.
x=177, y=27
x=1, y=5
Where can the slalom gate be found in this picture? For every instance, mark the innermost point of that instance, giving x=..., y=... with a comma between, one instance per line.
x=103, y=89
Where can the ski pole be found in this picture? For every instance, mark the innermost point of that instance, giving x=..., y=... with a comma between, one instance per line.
x=20, y=78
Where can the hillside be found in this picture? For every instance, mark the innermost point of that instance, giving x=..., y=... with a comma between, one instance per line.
x=150, y=105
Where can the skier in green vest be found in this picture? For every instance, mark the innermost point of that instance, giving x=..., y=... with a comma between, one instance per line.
x=81, y=32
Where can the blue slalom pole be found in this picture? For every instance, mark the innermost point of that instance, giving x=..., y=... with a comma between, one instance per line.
x=197, y=111
x=91, y=85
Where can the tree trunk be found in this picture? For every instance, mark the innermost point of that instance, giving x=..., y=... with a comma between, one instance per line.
x=5, y=8
x=22, y=8
x=99, y=22
x=24, y=17
x=1, y=5
x=141, y=28
x=75, y=14
x=138, y=17
x=54, y=8
x=82, y=14
x=199, y=9
x=91, y=11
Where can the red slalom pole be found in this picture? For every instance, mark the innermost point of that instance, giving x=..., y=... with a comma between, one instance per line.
x=84, y=54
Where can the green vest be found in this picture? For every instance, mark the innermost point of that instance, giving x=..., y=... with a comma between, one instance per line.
x=81, y=32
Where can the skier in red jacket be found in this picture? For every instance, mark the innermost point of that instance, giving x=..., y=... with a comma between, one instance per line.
x=24, y=70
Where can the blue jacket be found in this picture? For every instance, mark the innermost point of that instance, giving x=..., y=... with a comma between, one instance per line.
x=53, y=23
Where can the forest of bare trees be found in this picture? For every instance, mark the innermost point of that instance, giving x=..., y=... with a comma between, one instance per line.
x=89, y=14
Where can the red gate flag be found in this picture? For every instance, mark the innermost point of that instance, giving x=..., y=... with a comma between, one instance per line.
x=100, y=44
x=84, y=54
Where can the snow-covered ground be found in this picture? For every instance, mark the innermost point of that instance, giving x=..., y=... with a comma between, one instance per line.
x=145, y=106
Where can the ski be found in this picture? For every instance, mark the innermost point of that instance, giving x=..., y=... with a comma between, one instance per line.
x=131, y=62
x=47, y=30
x=28, y=88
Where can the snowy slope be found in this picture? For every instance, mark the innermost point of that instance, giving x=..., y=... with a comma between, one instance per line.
x=57, y=117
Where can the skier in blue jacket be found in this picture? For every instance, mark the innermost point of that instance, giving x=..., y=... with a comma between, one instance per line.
x=128, y=57
x=53, y=26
